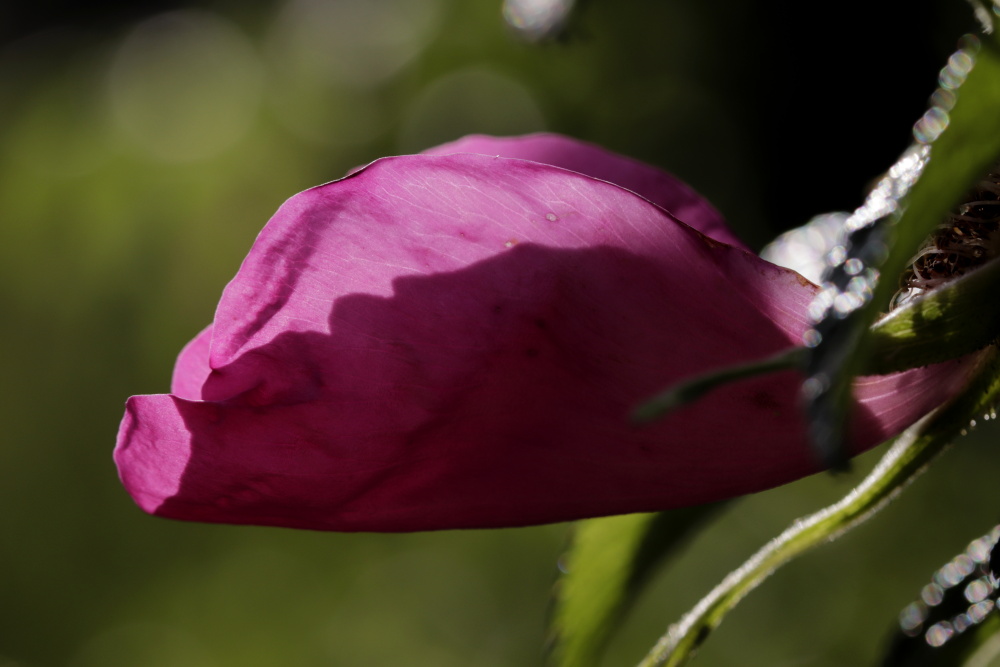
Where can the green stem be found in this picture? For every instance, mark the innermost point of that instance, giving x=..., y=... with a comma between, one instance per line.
x=907, y=458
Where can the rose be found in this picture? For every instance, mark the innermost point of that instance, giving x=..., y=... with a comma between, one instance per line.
x=456, y=339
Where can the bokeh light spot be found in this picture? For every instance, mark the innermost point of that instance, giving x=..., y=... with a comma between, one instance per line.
x=185, y=85
x=146, y=644
x=355, y=42
x=474, y=100
x=537, y=19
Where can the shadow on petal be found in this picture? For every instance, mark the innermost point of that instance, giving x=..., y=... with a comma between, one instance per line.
x=491, y=396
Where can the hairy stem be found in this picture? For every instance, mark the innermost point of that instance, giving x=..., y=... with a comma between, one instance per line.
x=906, y=459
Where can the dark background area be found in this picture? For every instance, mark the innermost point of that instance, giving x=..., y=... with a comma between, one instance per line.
x=823, y=99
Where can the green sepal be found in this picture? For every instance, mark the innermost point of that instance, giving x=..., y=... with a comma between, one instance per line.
x=960, y=317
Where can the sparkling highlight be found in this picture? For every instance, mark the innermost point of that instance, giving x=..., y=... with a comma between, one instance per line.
x=964, y=579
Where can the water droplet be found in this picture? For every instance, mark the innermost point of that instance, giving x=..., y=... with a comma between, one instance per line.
x=836, y=256
x=912, y=617
x=932, y=594
x=969, y=43
x=943, y=99
x=979, y=549
x=931, y=125
x=823, y=301
x=846, y=303
x=979, y=611
x=948, y=576
x=978, y=590
x=862, y=286
x=962, y=622
x=551, y=217
x=964, y=564
x=953, y=74
x=939, y=633
x=815, y=386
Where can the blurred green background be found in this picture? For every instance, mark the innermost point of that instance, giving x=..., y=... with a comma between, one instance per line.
x=143, y=146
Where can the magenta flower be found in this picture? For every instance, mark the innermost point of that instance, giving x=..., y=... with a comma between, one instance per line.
x=456, y=339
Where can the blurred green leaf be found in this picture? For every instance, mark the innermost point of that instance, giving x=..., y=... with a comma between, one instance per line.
x=607, y=564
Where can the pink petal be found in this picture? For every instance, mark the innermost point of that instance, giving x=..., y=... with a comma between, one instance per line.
x=656, y=185
x=192, y=370
x=457, y=341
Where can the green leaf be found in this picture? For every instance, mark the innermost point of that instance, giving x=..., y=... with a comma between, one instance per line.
x=608, y=562
x=907, y=458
